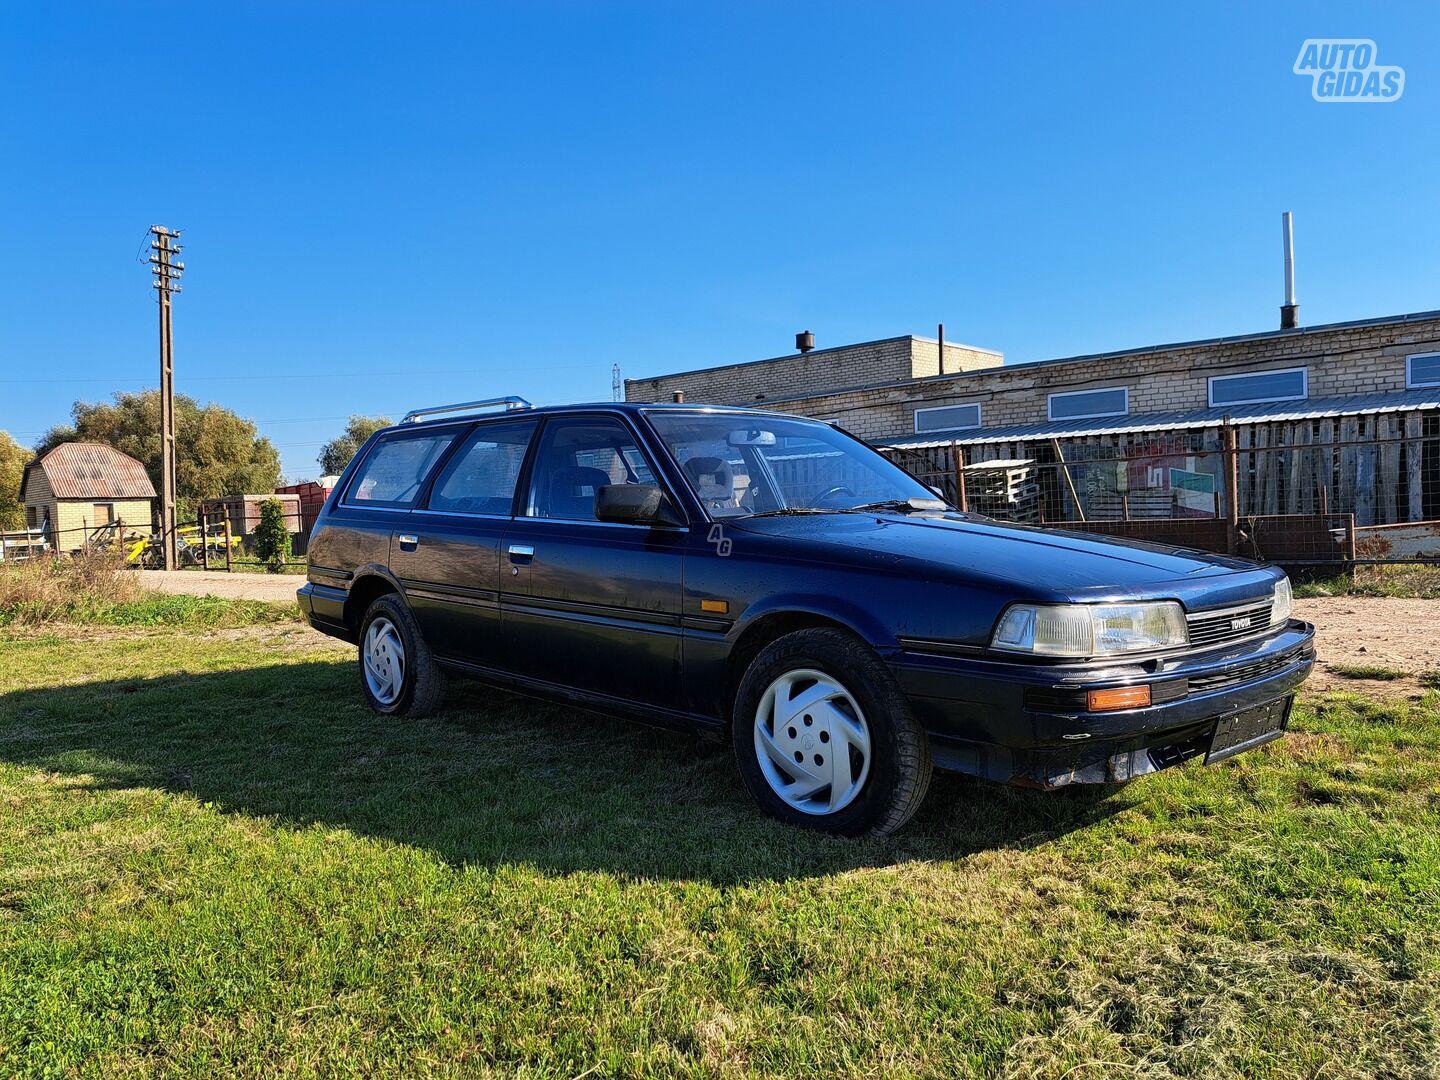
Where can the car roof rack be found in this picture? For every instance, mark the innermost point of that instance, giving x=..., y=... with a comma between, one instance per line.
x=505, y=404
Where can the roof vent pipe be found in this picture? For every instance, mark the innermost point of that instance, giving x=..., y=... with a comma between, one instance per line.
x=1289, y=311
x=805, y=341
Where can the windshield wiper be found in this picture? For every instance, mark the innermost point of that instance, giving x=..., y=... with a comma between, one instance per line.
x=786, y=511
x=902, y=505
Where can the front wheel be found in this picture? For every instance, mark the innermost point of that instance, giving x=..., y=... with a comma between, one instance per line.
x=397, y=671
x=825, y=738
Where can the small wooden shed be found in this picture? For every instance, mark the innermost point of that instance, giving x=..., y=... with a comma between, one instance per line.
x=79, y=487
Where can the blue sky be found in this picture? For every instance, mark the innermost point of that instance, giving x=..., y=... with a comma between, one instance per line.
x=393, y=205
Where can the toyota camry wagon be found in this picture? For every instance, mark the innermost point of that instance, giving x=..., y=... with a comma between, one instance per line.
x=773, y=582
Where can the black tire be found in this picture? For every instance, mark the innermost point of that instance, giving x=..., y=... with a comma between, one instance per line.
x=899, y=764
x=422, y=689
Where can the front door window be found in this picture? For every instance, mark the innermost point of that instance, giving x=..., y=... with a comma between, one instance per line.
x=576, y=459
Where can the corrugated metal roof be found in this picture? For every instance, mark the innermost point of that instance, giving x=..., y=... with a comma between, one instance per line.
x=79, y=470
x=1180, y=419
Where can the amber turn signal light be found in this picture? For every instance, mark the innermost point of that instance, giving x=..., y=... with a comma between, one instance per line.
x=1118, y=697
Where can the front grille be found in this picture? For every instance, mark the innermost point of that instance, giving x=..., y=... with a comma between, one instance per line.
x=1211, y=628
x=1242, y=673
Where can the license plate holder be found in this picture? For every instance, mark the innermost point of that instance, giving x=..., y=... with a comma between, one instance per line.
x=1246, y=729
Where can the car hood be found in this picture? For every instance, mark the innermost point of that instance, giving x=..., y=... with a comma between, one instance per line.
x=1033, y=561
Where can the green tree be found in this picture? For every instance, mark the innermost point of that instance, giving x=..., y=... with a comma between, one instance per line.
x=336, y=453
x=272, y=536
x=13, y=459
x=217, y=451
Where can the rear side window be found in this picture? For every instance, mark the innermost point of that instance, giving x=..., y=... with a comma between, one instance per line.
x=395, y=470
x=480, y=478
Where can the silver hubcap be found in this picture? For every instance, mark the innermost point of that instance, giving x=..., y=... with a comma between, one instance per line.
x=383, y=655
x=812, y=742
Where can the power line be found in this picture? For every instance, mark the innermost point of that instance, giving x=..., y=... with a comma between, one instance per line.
x=397, y=373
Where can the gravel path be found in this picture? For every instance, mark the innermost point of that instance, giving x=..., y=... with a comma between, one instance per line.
x=277, y=587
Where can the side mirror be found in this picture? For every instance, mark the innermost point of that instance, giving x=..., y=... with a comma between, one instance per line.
x=634, y=504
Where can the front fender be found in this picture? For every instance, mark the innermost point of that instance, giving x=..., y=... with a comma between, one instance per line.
x=859, y=621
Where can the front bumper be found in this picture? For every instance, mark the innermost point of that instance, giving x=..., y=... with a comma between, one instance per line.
x=1025, y=722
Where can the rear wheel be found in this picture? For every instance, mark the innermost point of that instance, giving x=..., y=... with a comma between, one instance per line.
x=398, y=674
x=825, y=738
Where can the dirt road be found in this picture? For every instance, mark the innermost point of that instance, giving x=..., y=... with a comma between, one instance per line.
x=275, y=587
x=1373, y=631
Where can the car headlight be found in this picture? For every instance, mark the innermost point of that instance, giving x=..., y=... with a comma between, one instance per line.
x=1284, y=601
x=1080, y=630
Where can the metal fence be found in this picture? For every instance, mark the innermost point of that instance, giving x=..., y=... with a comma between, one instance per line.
x=1345, y=491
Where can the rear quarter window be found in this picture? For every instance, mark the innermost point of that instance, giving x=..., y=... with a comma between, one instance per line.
x=395, y=470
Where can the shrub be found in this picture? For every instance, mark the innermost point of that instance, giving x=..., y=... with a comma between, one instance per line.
x=272, y=536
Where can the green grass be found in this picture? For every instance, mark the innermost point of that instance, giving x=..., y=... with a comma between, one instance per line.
x=1368, y=671
x=1408, y=580
x=160, y=609
x=214, y=861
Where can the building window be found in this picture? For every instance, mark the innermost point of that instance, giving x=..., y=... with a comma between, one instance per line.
x=1422, y=369
x=948, y=417
x=1290, y=384
x=1089, y=404
x=104, y=514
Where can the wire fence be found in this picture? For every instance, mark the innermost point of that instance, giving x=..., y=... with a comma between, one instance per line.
x=210, y=545
x=1356, y=490
x=218, y=539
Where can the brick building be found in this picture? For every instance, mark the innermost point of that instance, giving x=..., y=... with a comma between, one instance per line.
x=881, y=390
x=1362, y=398
x=77, y=491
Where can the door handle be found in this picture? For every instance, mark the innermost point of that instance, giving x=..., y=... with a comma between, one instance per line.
x=521, y=552
x=406, y=538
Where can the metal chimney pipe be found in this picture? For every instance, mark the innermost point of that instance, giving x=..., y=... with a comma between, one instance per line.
x=1289, y=311
x=940, y=368
x=678, y=397
x=805, y=341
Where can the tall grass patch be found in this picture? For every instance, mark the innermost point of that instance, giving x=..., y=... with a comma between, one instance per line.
x=98, y=588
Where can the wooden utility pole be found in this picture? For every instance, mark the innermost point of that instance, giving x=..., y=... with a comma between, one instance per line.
x=167, y=275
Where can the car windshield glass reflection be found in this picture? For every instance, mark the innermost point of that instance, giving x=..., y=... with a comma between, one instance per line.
x=742, y=466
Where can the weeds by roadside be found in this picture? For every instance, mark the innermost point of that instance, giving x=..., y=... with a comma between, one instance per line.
x=99, y=589
x=1416, y=581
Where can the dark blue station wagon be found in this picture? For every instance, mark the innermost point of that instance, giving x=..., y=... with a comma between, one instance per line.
x=772, y=581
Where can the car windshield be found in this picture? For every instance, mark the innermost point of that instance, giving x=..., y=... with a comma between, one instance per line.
x=744, y=465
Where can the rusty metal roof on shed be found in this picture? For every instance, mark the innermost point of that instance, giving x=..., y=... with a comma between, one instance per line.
x=78, y=470
x=1176, y=420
